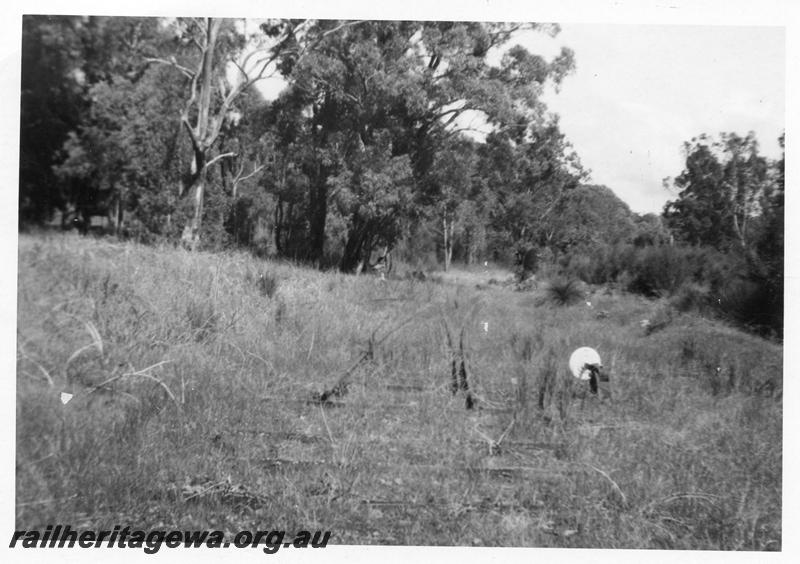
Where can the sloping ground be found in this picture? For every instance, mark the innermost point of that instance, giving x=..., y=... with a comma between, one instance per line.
x=224, y=392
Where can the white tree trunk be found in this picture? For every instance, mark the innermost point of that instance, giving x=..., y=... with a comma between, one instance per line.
x=197, y=218
x=447, y=230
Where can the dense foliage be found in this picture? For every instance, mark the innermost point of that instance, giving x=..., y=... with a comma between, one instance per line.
x=371, y=147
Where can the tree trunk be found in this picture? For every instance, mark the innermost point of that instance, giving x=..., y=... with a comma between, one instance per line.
x=469, y=246
x=740, y=229
x=354, y=247
x=197, y=219
x=118, y=218
x=352, y=256
x=202, y=136
x=278, y=231
x=447, y=230
x=318, y=211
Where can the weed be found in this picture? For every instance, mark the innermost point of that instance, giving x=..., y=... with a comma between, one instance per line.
x=524, y=347
x=202, y=319
x=661, y=318
x=689, y=348
x=563, y=291
x=547, y=381
x=267, y=284
x=280, y=312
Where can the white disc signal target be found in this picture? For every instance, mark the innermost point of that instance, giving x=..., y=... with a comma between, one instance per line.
x=581, y=360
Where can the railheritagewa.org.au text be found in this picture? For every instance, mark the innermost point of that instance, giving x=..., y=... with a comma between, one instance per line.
x=63, y=536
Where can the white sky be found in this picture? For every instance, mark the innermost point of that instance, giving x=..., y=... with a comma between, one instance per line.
x=640, y=91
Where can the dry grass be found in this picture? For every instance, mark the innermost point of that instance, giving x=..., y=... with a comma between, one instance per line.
x=191, y=382
x=479, y=276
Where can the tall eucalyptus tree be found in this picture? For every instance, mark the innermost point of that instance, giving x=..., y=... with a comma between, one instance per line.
x=220, y=61
x=401, y=90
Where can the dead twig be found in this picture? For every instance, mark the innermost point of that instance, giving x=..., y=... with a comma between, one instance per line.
x=97, y=342
x=340, y=388
x=39, y=366
x=143, y=373
x=614, y=485
x=51, y=500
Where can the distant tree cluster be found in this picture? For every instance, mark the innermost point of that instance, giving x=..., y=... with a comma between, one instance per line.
x=731, y=199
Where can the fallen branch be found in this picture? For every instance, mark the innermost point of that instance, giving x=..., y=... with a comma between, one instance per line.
x=340, y=388
x=143, y=373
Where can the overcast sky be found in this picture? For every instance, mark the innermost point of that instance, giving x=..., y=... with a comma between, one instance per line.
x=640, y=91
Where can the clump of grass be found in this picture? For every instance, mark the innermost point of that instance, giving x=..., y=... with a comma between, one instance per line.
x=661, y=319
x=202, y=318
x=525, y=346
x=689, y=348
x=544, y=383
x=267, y=284
x=563, y=291
x=280, y=312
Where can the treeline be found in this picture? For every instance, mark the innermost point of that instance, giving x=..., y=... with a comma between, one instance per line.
x=718, y=246
x=370, y=146
x=367, y=147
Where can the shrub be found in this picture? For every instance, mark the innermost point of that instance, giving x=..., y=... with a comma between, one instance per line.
x=526, y=262
x=659, y=271
x=585, y=267
x=267, y=284
x=563, y=291
x=716, y=269
x=653, y=271
x=691, y=296
x=748, y=303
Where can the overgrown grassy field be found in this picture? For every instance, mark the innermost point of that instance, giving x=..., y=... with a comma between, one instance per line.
x=194, y=378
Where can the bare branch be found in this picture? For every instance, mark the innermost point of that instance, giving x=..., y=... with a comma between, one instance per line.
x=198, y=44
x=255, y=52
x=341, y=26
x=192, y=136
x=200, y=23
x=219, y=157
x=256, y=170
x=173, y=63
x=192, y=98
x=279, y=50
x=221, y=84
x=240, y=68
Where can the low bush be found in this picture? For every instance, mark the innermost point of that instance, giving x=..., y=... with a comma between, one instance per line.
x=701, y=279
x=563, y=291
x=691, y=297
x=748, y=303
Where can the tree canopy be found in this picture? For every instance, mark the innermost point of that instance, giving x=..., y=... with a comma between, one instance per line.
x=370, y=146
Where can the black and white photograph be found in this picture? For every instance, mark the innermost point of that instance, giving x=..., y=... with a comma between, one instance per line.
x=294, y=278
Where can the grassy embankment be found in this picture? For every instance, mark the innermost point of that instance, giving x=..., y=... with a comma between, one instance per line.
x=190, y=376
